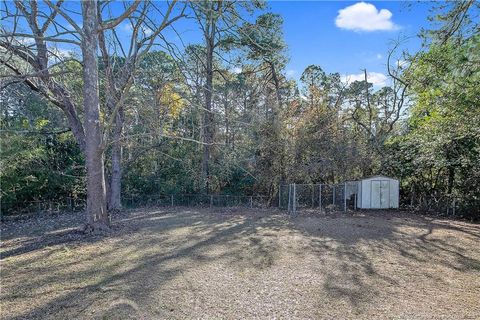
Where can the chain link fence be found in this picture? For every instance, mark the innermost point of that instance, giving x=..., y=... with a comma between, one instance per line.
x=197, y=200
x=324, y=197
x=37, y=207
x=188, y=200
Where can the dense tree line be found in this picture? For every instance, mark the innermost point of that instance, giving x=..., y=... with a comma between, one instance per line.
x=116, y=119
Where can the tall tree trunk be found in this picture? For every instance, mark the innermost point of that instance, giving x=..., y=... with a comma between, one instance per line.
x=208, y=92
x=113, y=182
x=98, y=217
x=276, y=82
x=115, y=200
x=227, y=121
x=279, y=158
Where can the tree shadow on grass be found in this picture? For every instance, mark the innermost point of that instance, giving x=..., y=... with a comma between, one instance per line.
x=137, y=270
x=375, y=250
x=20, y=237
x=157, y=260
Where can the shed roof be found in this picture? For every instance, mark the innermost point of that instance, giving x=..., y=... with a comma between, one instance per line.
x=377, y=176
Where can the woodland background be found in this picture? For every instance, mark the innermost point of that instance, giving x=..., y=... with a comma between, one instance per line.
x=221, y=117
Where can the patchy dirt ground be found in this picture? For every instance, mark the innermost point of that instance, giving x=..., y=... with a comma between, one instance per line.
x=192, y=263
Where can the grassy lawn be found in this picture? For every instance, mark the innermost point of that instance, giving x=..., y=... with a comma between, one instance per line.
x=196, y=263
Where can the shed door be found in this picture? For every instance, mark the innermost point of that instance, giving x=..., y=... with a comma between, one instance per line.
x=375, y=194
x=380, y=194
x=384, y=194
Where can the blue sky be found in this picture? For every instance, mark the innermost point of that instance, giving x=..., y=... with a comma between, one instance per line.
x=340, y=36
x=361, y=39
x=314, y=38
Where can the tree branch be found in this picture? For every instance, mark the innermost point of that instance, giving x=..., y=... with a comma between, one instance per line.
x=115, y=22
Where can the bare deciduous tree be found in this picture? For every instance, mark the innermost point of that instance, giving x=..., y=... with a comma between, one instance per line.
x=36, y=65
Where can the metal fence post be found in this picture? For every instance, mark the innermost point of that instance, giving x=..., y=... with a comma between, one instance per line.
x=320, y=197
x=313, y=196
x=345, y=197
x=251, y=202
x=289, y=196
x=171, y=199
x=294, y=198
x=333, y=195
x=279, y=196
x=211, y=201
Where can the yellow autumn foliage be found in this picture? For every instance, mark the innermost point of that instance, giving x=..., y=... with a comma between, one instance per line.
x=169, y=99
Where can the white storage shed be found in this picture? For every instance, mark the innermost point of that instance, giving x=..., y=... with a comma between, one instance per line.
x=378, y=192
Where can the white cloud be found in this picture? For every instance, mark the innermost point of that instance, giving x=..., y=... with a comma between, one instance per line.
x=402, y=64
x=56, y=52
x=236, y=70
x=364, y=17
x=25, y=41
x=291, y=73
x=147, y=31
x=128, y=28
x=57, y=55
x=376, y=78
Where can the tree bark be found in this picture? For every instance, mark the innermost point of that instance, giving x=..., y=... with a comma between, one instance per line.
x=227, y=121
x=115, y=199
x=114, y=181
x=97, y=215
x=208, y=92
x=276, y=82
x=277, y=133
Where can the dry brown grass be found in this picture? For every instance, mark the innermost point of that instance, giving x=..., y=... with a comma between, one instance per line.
x=192, y=263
